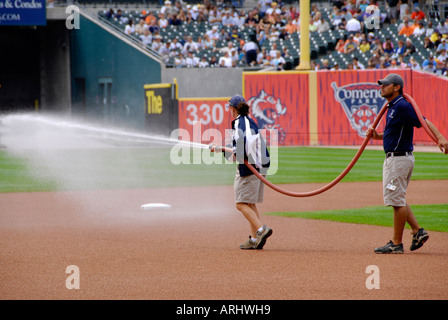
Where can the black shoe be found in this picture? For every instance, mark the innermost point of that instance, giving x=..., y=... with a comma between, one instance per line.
x=390, y=248
x=419, y=238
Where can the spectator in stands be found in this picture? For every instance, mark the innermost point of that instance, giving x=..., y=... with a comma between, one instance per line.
x=443, y=55
x=401, y=25
x=263, y=34
x=323, y=25
x=325, y=65
x=156, y=43
x=375, y=59
x=429, y=65
x=169, y=10
x=335, y=67
x=203, y=63
x=278, y=62
x=225, y=61
x=263, y=6
x=164, y=51
x=359, y=37
x=146, y=38
x=441, y=46
x=401, y=64
x=273, y=9
x=371, y=38
x=194, y=13
x=340, y=46
x=227, y=20
x=213, y=62
x=312, y=26
x=357, y=65
x=228, y=48
x=175, y=45
x=274, y=50
x=440, y=68
x=409, y=48
x=353, y=26
x=377, y=45
x=336, y=18
x=130, y=28
x=398, y=51
x=392, y=11
x=429, y=29
x=110, y=14
x=251, y=20
x=404, y=10
x=428, y=44
x=407, y=30
x=191, y=60
x=190, y=45
x=214, y=18
x=417, y=14
x=414, y=64
x=208, y=43
x=442, y=28
x=350, y=45
x=174, y=20
x=213, y=33
x=140, y=27
x=150, y=18
x=179, y=61
x=393, y=64
x=163, y=21
x=364, y=46
x=224, y=35
x=250, y=50
x=388, y=47
x=153, y=27
x=235, y=35
x=436, y=38
x=240, y=18
x=290, y=26
x=420, y=30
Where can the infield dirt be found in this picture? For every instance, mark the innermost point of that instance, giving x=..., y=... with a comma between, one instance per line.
x=191, y=251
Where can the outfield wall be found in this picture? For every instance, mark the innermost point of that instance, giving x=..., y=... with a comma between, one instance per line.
x=320, y=108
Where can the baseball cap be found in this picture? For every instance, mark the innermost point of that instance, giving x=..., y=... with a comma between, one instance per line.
x=235, y=100
x=392, y=78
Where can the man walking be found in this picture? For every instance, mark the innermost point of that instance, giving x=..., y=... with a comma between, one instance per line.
x=399, y=163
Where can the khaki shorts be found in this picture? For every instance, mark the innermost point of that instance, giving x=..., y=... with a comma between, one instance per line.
x=248, y=189
x=397, y=172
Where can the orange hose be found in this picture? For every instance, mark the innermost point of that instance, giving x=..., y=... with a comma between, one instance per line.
x=350, y=165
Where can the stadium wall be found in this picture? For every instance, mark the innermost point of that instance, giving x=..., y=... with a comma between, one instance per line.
x=317, y=108
x=108, y=76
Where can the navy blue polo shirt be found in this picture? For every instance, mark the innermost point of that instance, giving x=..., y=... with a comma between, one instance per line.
x=400, y=122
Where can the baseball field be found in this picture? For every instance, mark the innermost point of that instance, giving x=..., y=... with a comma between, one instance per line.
x=72, y=227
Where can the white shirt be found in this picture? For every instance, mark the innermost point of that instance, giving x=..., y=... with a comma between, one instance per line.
x=353, y=25
x=225, y=61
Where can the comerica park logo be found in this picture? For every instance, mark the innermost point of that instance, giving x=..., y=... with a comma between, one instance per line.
x=361, y=103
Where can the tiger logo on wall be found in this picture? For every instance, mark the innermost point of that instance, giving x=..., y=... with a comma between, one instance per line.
x=266, y=110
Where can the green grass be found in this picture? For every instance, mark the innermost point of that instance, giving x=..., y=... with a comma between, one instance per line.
x=122, y=168
x=152, y=167
x=431, y=217
x=308, y=165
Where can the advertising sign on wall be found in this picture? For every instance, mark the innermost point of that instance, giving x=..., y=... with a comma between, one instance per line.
x=22, y=13
x=280, y=101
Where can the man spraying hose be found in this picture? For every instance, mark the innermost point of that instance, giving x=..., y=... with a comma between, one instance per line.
x=397, y=139
x=248, y=189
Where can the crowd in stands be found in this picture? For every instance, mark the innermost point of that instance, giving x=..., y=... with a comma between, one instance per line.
x=271, y=21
